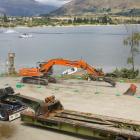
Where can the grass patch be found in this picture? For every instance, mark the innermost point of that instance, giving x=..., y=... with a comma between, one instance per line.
x=56, y=89
x=126, y=80
x=118, y=94
x=76, y=90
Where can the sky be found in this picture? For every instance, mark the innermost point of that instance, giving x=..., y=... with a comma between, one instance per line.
x=53, y=2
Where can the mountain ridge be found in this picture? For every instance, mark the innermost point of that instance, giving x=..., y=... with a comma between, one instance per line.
x=82, y=7
x=24, y=7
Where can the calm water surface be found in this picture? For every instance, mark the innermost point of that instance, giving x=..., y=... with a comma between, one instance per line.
x=100, y=46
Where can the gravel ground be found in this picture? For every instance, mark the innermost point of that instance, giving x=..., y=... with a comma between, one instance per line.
x=79, y=95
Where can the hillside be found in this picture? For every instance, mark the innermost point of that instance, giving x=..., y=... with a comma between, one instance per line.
x=24, y=7
x=85, y=7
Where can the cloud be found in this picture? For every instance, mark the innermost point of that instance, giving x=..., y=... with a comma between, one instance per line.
x=53, y=2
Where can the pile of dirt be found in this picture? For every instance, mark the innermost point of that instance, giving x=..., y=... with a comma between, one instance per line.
x=6, y=131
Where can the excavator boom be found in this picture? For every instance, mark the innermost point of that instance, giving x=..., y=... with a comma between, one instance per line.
x=46, y=66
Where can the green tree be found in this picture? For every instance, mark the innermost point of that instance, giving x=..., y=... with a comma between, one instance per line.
x=132, y=41
x=69, y=21
x=79, y=20
x=5, y=19
x=75, y=20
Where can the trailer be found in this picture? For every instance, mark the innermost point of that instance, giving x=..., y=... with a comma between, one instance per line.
x=52, y=115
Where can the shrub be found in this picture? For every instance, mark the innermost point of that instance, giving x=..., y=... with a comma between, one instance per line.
x=124, y=73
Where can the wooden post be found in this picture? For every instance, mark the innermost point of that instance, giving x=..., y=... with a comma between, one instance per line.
x=11, y=63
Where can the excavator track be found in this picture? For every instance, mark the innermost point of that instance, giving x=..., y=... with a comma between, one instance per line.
x=35, y=80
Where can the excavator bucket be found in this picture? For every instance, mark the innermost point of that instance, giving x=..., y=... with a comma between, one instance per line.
x=131, y=90
x=110, y=81
x=105, y=79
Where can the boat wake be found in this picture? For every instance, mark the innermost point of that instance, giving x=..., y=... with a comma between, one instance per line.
x=10, y=31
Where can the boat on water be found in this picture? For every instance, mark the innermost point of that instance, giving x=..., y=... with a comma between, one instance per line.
x=70, y=71
x=25, y=35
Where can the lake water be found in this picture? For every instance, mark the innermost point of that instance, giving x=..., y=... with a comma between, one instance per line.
x=100, y=46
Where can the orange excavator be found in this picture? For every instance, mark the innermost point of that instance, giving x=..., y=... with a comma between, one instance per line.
x=41, y=74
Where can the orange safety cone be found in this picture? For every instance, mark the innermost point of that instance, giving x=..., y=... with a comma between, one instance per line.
x=132, y=90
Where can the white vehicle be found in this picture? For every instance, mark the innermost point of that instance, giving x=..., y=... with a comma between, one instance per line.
x=70, y=71
x=25, y=35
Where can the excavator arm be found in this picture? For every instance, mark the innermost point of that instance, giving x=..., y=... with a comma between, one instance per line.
x=45, y=67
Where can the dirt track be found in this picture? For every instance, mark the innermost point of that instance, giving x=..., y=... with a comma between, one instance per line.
x=85, y=96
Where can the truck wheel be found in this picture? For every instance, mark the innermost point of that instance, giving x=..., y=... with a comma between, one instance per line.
x=3, y=115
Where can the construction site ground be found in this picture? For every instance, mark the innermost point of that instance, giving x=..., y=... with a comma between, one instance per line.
x=80, y=95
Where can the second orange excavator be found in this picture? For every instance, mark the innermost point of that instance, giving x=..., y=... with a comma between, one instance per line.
x=41, y=74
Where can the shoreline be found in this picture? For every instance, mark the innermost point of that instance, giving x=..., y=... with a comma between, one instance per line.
x=67, y=26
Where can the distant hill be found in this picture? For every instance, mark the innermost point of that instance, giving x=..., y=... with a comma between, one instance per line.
x=24, y=7
x=85, y=7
